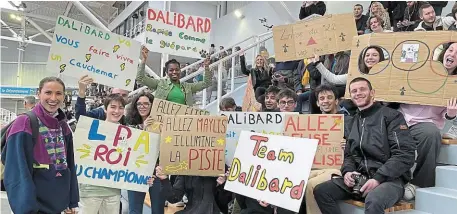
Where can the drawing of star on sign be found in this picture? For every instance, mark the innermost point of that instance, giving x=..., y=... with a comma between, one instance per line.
x=168, y=139
x=119, y=150
x=85, y=150
x=139, y=161
x=337, y=121
x=220, y=141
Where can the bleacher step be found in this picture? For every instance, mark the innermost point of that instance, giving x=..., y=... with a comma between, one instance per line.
x=445, y=177
x=436, y=200
x=448, y=154
x=410, y=212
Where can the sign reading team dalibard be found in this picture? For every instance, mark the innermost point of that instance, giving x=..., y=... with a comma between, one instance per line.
x=113, y=155
x=176, y=33
x=193, y=145
x=328, y=129
x=160, y=108
x=272, y=168
x=262, y=122
x=78, y=49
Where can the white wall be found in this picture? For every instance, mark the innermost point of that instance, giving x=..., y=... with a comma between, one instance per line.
x=194, y=8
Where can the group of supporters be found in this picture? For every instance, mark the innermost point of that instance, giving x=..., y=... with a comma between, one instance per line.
x=381, y=139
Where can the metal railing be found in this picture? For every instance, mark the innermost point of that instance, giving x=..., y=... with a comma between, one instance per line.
x=6, y=116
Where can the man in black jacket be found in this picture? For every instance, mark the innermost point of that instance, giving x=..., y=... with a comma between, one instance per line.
x=380, y=147
x=312, y=7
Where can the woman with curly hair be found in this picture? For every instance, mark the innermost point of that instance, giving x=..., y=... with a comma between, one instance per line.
x=377, y=9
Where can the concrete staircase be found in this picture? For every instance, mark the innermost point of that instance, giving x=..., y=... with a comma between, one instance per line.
x=441, y=199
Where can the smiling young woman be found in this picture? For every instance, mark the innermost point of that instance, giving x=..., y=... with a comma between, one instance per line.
x=34, y=168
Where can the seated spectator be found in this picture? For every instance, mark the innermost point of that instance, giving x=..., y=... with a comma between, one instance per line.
x=328, y=102
x=453, y=15
x=429, y=20
x=375, y=24
x=360, y=19
x=411, y=17
x=228, y=104
x=425, y=123
x=29, y=102
x=271, y=103
x=284, y=75
x=382, y=153
x=312, y=7
x=287, y=100
x=205, y=194
x=261, y=75
x=377, y=9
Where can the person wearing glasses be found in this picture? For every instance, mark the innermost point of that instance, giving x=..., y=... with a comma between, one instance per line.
x=138, y=118
x=287, y=100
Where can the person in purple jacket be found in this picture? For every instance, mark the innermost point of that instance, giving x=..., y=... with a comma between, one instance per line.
x=51, y=185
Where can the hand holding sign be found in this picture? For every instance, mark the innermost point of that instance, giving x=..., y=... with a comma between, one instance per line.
x=452, y=107
x=83, y=82
x=144, y=54
x=160, y=174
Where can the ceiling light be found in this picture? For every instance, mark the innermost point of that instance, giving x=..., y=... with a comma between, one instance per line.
x=13, y=16
x=18, y=18
x=238, y=14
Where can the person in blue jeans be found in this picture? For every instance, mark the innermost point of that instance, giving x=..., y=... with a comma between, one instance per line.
x=138, y=118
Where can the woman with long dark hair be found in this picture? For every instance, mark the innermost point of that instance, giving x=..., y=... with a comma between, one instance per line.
x=371, y=56
x=138, y=118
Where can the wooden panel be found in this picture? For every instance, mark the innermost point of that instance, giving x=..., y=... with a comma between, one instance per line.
x=402, y=205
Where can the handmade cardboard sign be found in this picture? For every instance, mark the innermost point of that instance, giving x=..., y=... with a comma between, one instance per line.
x=160, y=108
x=265, y=168
x=249, y=101
x=193, y=145
x=328, y=129
x=176, y=33
x=78, y=49
x=409, y=70
x=113, y=155
x=323, y=35
x=261, y=122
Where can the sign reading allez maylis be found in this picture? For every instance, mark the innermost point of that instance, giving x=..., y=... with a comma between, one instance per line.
x=193, y=145
x=80, y=49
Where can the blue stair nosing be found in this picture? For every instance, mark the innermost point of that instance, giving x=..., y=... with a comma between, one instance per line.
x=448, y=154
x=436, y=200
x=445, y=177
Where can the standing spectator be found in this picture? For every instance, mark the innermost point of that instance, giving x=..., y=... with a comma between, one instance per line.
x=260, y=75
x=29, y=102
x=411, y=16
x=360, y=19
x=228, y=104
x=171, y=89
x=312, y=7
x=212, y=49
x=438, y=6
x=40, y=176
x=377, y=9
x=398, y=13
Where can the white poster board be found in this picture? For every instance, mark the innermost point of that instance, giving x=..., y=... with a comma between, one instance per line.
x=272, y=168
x=176, y=33
x=78, y=49
x=113, y=155
x=262, y=122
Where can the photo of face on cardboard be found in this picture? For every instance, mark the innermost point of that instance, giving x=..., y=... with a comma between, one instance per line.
x=373, y=57
x=409, y=53
x=426, y=82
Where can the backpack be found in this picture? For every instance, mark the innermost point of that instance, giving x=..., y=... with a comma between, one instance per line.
x=4, y=132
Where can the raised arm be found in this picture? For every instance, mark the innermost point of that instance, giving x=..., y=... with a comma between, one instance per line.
x=244, y=70
x=141, y=77
x=331, y=77
x=198, y=86
x=80, y=106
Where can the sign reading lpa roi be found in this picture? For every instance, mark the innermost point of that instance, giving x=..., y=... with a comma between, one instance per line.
x=113, y=155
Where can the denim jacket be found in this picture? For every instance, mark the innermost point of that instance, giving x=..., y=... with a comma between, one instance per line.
x=164, y=86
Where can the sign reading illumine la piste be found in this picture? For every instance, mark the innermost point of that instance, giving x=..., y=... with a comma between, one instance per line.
x=78, y=49
x=176, y=33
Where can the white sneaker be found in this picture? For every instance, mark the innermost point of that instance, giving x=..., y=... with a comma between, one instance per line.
x=410, y=192
x=180, y=204
x=184, y=199
x=166, y=203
